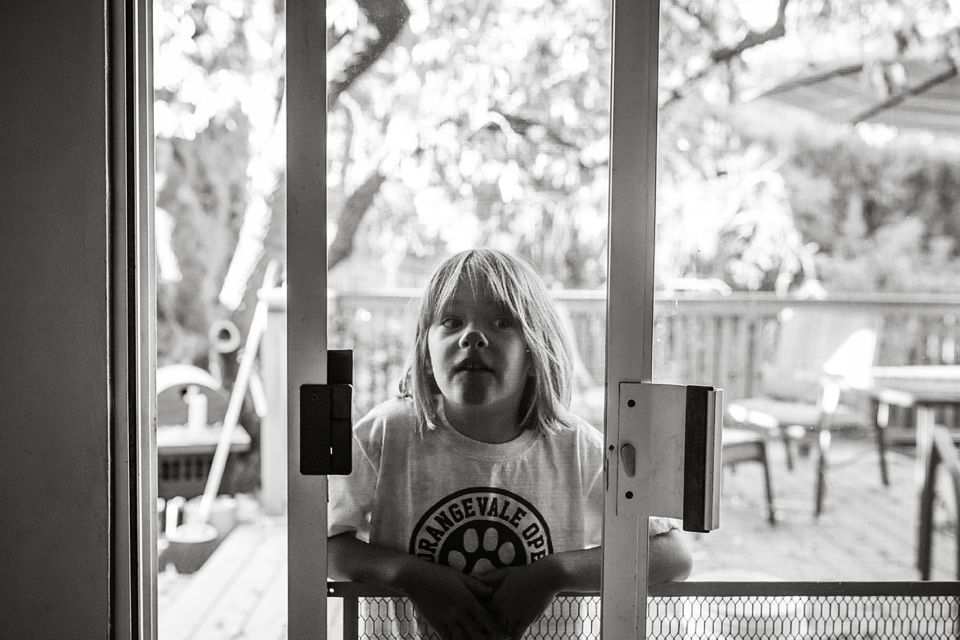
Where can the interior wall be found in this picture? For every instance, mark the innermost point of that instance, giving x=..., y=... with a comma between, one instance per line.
x=54, y=489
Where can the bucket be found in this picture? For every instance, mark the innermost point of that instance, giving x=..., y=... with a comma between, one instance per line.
x=190, y=545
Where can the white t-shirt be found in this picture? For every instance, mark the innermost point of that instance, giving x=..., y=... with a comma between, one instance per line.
x=447, y=498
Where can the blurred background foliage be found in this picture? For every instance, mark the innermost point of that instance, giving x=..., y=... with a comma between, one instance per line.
x=456, y=124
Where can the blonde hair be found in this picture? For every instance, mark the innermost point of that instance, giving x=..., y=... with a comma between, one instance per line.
x=519, y=291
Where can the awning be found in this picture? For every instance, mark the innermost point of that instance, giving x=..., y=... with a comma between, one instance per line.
x=907, y=94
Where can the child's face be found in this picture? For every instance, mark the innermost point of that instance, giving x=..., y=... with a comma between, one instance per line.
x=478, y=355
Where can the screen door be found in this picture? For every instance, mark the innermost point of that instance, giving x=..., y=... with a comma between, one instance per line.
x=469, y=128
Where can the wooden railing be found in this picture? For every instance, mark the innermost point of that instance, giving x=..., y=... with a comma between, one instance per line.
x=719, y=341
x=713, y=340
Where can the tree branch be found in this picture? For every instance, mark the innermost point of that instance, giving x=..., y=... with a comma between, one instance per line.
x=388, y=18
x=350, y=217
x=723, y=55
x=897, y=98
x=509, y=123
x=754, y=38
x=521, y=124
x=707, y=25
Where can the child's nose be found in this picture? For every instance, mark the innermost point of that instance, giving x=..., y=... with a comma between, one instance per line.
x=472, y=337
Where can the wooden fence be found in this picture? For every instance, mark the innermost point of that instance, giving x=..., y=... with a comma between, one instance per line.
x=711, y=340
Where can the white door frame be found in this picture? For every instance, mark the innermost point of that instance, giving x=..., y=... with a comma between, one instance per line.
x=132, y=324
x=306, y=307
x=630, y=296
x=630, y=293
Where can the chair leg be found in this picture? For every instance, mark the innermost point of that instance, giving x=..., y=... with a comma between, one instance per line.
x=752, y=451
x=823, y=446
x=771, y=511
x=880, y=422
x=925, y=535
x=786, y=446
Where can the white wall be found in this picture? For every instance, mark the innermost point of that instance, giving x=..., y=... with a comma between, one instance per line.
x=54, y=509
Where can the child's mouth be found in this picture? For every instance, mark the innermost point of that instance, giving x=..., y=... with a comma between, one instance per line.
x=472, y=366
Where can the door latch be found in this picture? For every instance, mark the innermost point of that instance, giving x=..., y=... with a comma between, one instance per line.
x=673, y=470
x=326, y=425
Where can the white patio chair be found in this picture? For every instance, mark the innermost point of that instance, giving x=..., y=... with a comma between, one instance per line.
x=819, y=352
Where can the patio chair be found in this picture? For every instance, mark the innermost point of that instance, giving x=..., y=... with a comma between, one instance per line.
x=819, y=353
x=943, y=456
x=739, y=446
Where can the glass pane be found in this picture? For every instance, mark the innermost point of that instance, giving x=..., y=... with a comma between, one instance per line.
x=221, y=390
x=806, y=234
x=472, y=126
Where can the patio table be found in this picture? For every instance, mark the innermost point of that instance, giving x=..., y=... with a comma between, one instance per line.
x=924, y=388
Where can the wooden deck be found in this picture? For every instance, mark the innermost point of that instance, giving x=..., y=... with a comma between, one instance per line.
x=868, y=533
x=240, y=592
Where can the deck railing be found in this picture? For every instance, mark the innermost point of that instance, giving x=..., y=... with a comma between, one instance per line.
x=713, y=611
x=720, y=341
x=712, y=340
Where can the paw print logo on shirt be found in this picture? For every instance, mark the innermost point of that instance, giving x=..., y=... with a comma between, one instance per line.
x=478, y=530
x=482, y=546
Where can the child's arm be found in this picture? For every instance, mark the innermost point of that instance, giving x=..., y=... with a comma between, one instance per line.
x=524, y=593
x=445, y=597
x=670, y=558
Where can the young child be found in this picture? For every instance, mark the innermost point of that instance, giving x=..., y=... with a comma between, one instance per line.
x=477, y=495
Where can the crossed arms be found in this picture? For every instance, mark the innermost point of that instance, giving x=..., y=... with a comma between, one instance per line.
x=499, y=604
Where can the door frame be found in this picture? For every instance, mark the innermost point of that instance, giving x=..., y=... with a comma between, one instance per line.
x=132, y=313
x=632, y=223
x=306, y=183
x=630, y=298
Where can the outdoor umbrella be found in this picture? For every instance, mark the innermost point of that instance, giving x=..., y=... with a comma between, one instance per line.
x=906, y=93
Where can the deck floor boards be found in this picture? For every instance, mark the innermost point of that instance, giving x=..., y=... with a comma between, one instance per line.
x=243, y=597
x=215, y=601
x=867, y=533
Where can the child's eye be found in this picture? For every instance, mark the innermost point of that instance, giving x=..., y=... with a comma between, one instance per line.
x=450, y=322
x=503, y=323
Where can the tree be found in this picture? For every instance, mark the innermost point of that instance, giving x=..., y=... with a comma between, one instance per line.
x=885, y=217
x=497, y=124
x=494, y=117
x=220, y=154
x=713, y=54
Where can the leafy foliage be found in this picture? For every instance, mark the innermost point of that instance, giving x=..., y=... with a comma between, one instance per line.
x=488, y=128
x=457, y=124
x=886, y=219
x=218, y=85
x=710, y=156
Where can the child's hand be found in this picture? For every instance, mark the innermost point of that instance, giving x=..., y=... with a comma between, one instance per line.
x=450, y=602
x=521, y=595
